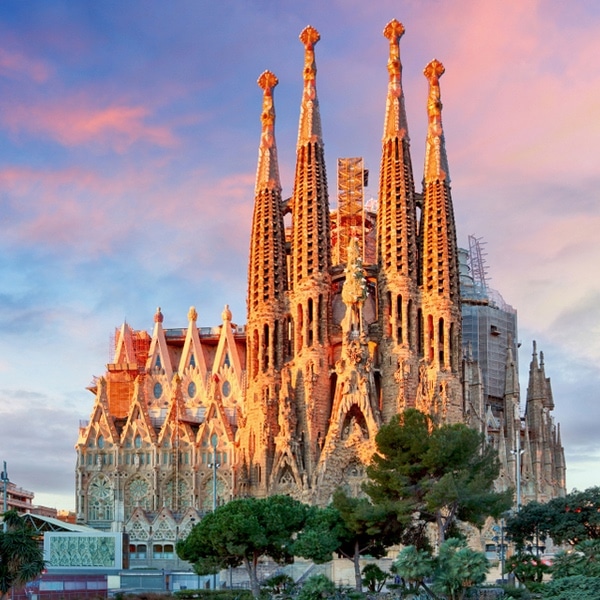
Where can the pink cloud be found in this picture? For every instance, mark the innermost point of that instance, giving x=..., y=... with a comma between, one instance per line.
x=77, y=121
x=16, y=66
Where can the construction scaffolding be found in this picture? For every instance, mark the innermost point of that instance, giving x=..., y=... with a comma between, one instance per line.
x=352, y=178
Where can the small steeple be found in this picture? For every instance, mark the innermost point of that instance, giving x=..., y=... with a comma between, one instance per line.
x=436, y=161
x=395, y=112
x=267, y=172
x=396, y=217
x=310, y=118
x=310, y=243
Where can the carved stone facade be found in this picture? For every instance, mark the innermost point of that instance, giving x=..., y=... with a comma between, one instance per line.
x=187, y=418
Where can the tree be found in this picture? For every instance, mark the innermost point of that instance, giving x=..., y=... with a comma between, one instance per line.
x=530, y=525
x=440, y=474
x=459, y=568
x=21, y=557
x=241, y=532
x=413, y=566
x=583, y=560
x=350, y=527
x=374, y=577
x=456, y=569
x=571, y=519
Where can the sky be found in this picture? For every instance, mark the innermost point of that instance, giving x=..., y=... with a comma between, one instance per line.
x=128, y=145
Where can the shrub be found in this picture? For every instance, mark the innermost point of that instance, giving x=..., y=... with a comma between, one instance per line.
x=317, y=587
x=578, y=587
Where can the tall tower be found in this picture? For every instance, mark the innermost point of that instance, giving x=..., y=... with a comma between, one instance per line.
x=267, y=309
x=310, y=277
x=440, y=344
x=397, y=245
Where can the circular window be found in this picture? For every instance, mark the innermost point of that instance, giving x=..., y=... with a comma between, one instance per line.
x=157, y=390
x=226, y=389
x=192, y=389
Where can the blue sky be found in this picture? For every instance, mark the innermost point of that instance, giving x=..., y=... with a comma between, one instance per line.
x=128, y=146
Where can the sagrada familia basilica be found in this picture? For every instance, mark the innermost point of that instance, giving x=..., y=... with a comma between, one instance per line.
x=353, y=315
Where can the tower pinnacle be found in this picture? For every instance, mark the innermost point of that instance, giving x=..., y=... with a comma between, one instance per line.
x=395, y=114
x=310, y=120
x=436, y=161
x=267, y=173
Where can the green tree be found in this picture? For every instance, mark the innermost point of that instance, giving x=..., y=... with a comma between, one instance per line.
x=529, y=527
x=413, y=566
x=528, y=569
x=350, y=527
x=439, y=474
x=21, y=557
x=241, y=532
x=456, y=569
x=374, y=577
x=459, y=568
x=571, y=519
x=584, y=560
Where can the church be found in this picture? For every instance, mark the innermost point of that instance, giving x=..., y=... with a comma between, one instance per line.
x=354, y=314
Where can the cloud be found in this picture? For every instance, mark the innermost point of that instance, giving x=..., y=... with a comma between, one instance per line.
x=76, y=121
x=37, y=436
x=18, y=66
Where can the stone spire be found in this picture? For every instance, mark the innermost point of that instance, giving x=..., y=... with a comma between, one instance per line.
x=440, y=301
x=311, y=253
x=310, y=118
x=438, y=230
x=310, y=264
x=267, y=285
x=436, y=161
x=267, y=173
x=397, y=241
x=267, y=271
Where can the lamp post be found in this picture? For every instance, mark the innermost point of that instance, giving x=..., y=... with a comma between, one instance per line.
x=214, y=440
x=518, y=453
x=5, y=480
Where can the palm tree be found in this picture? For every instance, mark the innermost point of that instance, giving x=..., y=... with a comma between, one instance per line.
x=21, y=558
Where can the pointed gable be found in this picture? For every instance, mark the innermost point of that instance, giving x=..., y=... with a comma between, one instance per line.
x=138, y=431
x=159, y=360
x=192, y=356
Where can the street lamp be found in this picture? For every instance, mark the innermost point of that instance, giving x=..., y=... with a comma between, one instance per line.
x=5, y=480
x=214, y=441
x=517, y=452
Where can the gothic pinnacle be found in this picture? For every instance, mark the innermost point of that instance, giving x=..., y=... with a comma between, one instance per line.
x=436, y=162
x=310, y=120
x=267, y=173
x=395, y=119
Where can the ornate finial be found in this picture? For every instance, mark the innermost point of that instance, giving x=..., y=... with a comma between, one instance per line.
x=534, y=347
x=436, y=161
x=226, y=314
x=433, y=71
x=393, y=31
x=310, y=120
x=267, y=81
x=309, y=37
x=267, y=173
x=192, y=314
x=541, y=359
x=158, y=316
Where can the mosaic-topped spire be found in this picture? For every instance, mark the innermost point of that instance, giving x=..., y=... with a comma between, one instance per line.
x=436, y=161
x=310, y=119
x=267, y=273
x=395, y=112
x=267, y=172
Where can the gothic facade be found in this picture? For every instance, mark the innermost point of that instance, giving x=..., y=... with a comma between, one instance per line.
x=343, y=331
